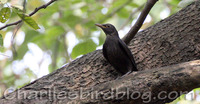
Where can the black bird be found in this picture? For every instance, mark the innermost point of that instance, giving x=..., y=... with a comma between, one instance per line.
x=116, y=51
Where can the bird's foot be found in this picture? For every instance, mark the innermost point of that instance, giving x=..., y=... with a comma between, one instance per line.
x=127, y=73
x=119, y=77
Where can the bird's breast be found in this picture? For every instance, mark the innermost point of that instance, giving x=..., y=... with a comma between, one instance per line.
x=113, y=49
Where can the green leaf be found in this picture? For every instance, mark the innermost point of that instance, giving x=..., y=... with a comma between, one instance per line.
x=71, y=20
x=17, y=9
x=31, y=22
x=55, y=31
x=27, y=19
x=52, y=33
x=123, y=13
x=83, y=48
x=134, y=4
x=1, y=40
x=118, y=3
x=4, y=14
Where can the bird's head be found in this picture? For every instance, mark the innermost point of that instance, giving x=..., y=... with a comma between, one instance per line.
x=108, y=29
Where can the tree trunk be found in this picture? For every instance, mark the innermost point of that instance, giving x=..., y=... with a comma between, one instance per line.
x=173, y=40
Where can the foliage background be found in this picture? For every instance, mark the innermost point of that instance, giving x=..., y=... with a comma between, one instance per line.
x=66, y=32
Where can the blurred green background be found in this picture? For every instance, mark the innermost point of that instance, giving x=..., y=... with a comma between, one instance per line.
x=66, y=32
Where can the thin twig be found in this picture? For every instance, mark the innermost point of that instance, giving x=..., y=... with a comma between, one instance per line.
x=131, y=16
x=13, y=38
x=55, y=53
x=42, y=7
x=5, y=55
x=16, y=30
x=65, y=48
x=115, y=11
x=24, y=6
x=130, y=35
x=32, y=13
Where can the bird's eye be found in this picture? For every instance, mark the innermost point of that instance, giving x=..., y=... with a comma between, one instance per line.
x=107, y=26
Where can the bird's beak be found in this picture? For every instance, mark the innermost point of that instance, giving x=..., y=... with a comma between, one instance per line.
x=100, y=25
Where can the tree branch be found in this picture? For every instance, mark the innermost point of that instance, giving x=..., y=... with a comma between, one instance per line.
x=130, y=35
x=154, y=86
x=149, y=86
x=32, y=13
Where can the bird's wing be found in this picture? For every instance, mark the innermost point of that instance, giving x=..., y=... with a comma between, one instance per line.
x=127, y=51
x=105, y=54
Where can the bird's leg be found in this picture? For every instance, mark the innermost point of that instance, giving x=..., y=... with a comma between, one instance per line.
x=126, y=74
x=119, y=77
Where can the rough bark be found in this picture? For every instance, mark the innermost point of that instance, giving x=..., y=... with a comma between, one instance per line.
x=173, y=40
x=156, y=86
